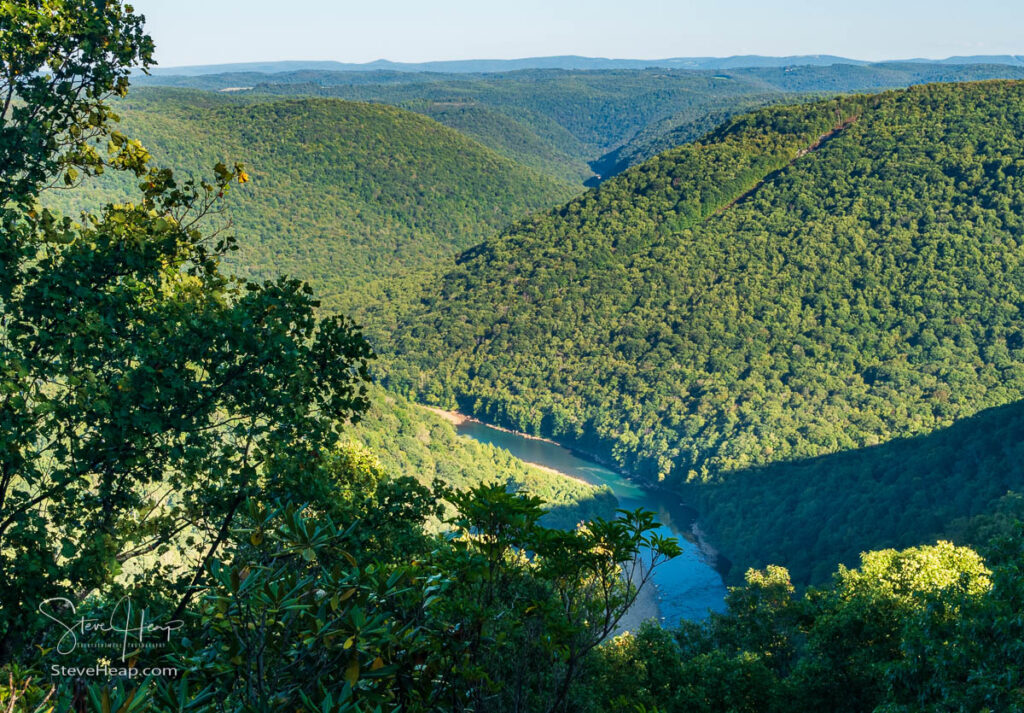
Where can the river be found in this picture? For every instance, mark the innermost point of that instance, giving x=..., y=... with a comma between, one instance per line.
x=687, y=587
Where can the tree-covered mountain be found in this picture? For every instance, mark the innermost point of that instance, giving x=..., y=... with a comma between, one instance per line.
x=531, y=140
x=805, y=280
x=340, y=192
x=609, y=118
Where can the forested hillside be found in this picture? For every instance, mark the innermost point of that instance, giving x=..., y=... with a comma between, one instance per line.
x=531, y=139
x=561, y=120
x=804, y=281
x=340, y=192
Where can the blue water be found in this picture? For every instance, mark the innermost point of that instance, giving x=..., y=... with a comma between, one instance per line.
x=687, y=586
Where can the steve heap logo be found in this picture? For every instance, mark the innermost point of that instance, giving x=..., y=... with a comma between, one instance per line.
x=127, y=629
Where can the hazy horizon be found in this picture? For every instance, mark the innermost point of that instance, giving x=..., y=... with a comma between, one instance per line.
x=192, y=32
x=319, y=60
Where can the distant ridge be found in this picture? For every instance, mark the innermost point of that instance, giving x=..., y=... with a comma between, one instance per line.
x=564, y=62
x=508, y=65
x=1015, y=60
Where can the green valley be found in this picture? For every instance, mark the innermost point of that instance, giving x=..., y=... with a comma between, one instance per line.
x=803, y=281
x=246, y=336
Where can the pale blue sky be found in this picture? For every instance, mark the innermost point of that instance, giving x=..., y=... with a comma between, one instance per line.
x=215, y=31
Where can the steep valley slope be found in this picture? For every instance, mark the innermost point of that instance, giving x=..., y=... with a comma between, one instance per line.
x=803, y=281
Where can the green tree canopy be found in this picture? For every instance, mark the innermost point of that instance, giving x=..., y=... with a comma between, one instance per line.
x=60, y=60
x=143, y=393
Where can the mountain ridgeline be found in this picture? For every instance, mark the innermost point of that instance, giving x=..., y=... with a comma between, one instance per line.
x=556, y=62
x=803, y=281
x=561, y=120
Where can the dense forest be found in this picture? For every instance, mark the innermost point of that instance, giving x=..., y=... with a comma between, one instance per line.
x=802, y=281
x=340, y=193
x=176, y=443
x=611, y=119
x=807, y=321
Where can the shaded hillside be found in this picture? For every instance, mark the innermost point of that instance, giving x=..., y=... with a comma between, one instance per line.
x=869, y=289
x=807, y=515
x=341, y=192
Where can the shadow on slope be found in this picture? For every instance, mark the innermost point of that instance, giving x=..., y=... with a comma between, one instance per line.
x=808, y=515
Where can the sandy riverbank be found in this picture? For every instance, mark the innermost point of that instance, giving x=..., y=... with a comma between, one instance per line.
x=554, y=471
x=457, y=419
x=645, y=607
x=453, y=417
